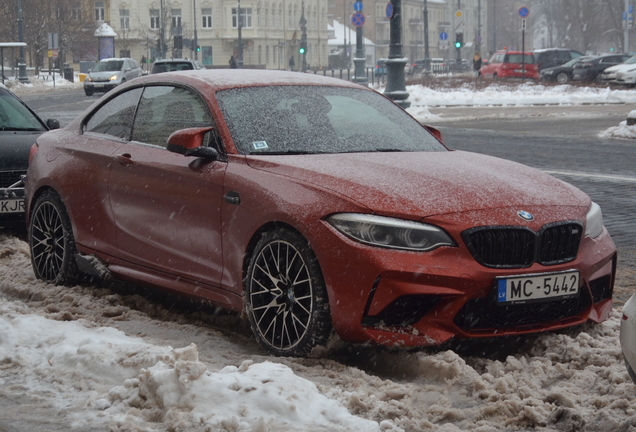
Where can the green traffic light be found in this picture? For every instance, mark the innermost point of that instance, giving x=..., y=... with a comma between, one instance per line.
x=458, y=44
x=301, y=50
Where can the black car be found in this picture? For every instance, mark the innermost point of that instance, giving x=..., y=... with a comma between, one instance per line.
x=591, y=69
x=561, y=74
x=171, y=65
x=19, y=127
x=550, y=57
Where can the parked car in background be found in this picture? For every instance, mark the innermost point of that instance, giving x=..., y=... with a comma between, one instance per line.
x=380, y=67
x=109, y=73
x=590, y=70
x=510, y=64
x=19, y=128
x=172, y=65
x=408, y=67
x=316, y=206
x=625, y=69
x=628, y=336
x=435, y=65
x=563, y=73
x=550, y=57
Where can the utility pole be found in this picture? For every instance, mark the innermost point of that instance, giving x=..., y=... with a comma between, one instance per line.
x=427, y=54
x=22, y=75
x=239, y=24
x=361, y=58
x=303, y=38
x=196, y=40
x=396, y=85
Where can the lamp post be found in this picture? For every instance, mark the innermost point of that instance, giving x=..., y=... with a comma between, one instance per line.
x=360, y=59
x=193, y=46
x=427, y=54
x=240, y=39
x=396, y=86
x=22, y=75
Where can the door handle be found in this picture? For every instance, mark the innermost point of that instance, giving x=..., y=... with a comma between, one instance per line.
x=124, y=159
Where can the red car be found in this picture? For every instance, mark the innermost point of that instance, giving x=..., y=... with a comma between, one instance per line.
x=510, y=64
x=318, y=207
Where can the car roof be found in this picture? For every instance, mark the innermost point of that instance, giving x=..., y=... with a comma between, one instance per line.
x=222, y=79
x=174, y=60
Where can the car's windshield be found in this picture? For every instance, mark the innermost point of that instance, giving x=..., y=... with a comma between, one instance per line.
x=171, y=66
x=571, y=62
x=630, y=60
x=316, y=119
x=15, y=117
x=109, y=66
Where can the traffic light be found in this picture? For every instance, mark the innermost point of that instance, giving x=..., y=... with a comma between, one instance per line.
x=459, y=40
x=198, y=48
x=303, y=48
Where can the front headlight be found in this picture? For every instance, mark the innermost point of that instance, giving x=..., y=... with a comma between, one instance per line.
x=113, y=78
x=389, y=232
x=594, y=221
x=547, y=72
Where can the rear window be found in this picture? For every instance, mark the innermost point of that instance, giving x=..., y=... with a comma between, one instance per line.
x=519, y=58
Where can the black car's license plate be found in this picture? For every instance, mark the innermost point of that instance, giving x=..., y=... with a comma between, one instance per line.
x=537, y=287
x=11, y=205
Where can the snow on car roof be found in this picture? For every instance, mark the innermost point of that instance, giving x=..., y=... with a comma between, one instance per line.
x=231, y=78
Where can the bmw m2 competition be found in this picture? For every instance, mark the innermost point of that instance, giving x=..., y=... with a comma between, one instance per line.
x=316, y=206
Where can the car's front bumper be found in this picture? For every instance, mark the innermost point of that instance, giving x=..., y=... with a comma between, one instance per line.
x=628, y=333
x=401, y=298
x=12, y=196
x=99, y=86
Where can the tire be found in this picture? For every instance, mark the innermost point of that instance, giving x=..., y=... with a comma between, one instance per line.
x=562, y=78
x=285, y=296
x=51, y=241
x=495, y=77
x=89, y=92
x=630, y=371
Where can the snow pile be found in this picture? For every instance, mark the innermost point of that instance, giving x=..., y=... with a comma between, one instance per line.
x=524, y=94
x=621, y=131
x=157, y=384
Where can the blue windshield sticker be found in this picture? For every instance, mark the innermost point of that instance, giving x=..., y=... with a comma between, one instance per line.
x=260, y=145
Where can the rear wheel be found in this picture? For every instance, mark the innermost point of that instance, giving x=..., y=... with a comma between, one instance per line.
x=51, y=241
x=562, y=78
x=285, y=295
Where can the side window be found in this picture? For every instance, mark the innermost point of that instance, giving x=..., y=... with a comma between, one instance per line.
x=116, y=116
x=165, y=109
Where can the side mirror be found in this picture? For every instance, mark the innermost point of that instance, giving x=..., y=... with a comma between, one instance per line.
x=52, y=123
x=189, y=142
x=435, y=132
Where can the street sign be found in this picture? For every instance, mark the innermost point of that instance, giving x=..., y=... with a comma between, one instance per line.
x=443, y=36
x=524, y=12
x=53, y=53
x=357, y=19
x=389, y=10
x=53, y=41
x=357, y=6
x=458, y=14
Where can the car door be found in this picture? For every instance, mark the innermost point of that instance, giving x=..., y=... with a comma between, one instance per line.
x=167, y=206
x=106, y=130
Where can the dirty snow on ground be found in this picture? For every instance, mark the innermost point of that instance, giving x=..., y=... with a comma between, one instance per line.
x=106, y=358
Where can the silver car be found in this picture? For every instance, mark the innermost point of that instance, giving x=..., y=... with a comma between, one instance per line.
x=109, y=73
x=628, y=336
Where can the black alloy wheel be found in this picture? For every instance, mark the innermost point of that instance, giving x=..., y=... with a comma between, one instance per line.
x=562, y=78
x=51, y=241
x=286, y=299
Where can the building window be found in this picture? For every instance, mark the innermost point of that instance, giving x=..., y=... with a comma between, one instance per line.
x=124, y=19
x=76, y=11
x=154, y=18
x=99, y=11
x=206, y=13
x=246, y=18
x=176, y=18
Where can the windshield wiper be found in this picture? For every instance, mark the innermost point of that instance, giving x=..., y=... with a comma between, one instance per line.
x=19, y=129
x=281, y=152
x=388, y=150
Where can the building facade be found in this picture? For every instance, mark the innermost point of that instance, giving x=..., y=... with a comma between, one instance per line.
x=208, y=30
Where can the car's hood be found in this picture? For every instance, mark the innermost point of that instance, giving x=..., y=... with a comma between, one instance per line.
x=614, y=68
x=14, y=149
x=425, y=184
x=106, y=74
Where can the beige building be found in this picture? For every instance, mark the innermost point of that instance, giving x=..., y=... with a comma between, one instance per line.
x=208, y=30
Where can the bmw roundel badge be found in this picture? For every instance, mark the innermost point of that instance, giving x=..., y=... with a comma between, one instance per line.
x=525, y=215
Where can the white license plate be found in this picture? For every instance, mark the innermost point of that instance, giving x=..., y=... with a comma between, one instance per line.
x=537, y=287
x=12, y=205
x=99, y=85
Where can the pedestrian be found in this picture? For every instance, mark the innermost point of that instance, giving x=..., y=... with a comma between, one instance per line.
x=477, y=63
x=233, y=64
x=292, y=63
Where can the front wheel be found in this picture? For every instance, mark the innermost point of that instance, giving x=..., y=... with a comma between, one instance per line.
x=51, y=241
x=562, y=78
x=285, y=295
x=88, y=91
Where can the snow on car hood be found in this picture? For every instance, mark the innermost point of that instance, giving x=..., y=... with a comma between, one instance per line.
x=425, y=183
